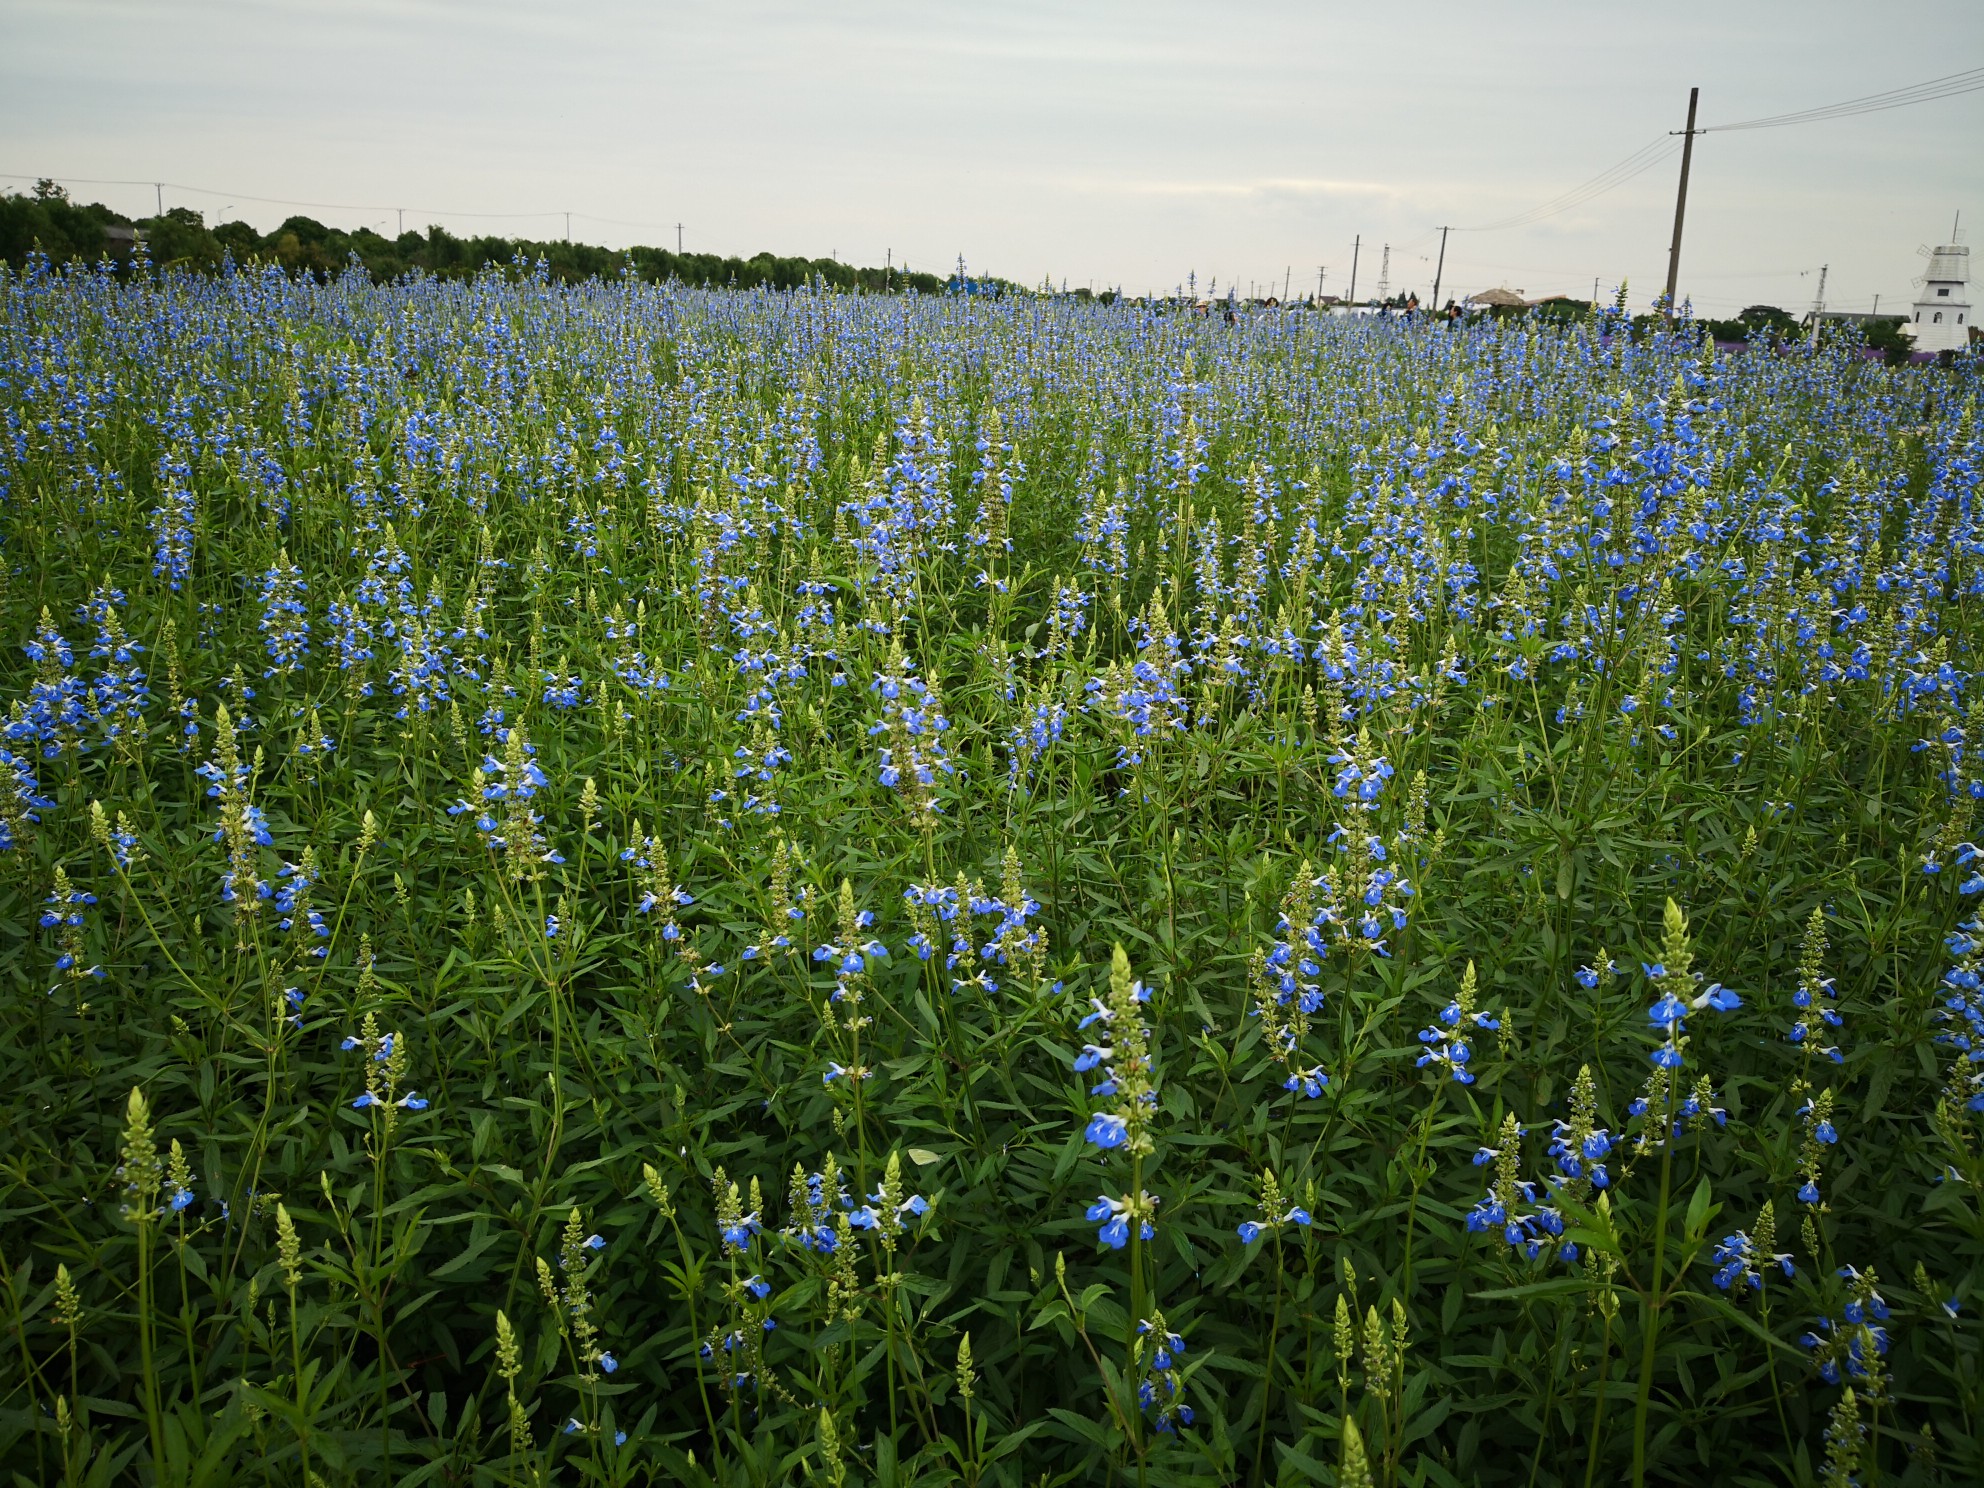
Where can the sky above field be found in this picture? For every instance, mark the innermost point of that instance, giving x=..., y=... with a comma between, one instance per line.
x=1099, y=143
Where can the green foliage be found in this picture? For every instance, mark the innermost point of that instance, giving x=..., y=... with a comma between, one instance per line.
x=64, y=232
x=352, y=1137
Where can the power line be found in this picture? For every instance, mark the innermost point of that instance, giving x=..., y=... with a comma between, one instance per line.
x=282, y=201
x=1645, y=158
x=1969, y=81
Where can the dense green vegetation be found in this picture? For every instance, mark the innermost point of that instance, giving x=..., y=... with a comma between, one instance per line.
x=64, y=230
x=612, y=883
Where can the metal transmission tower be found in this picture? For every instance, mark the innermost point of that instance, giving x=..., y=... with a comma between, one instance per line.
x=1385, y=274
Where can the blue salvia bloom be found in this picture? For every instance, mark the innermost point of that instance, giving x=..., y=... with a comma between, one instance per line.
x=285, y=622
x=914, y=725
x=172, y=520
x=21, y=801
x=1127, y=1083
x=1819, y=1134
x=1742, y=1263
x=1579, y=1145
x=1513, y=1207
x=1160, y=1385
x=1116, y=1216
x=816, y=1200
x=1275, y=1211
x=1852, y=1345
x=1815, y=995
x=56, y=711
x=889, y=1206
x=119, y=692
x=1285, y=975
x=736, y=1227
x=351, y=639
x=1962, y=1012
x=1588, y=977
x=1130, y=1087
x=1449, y=1042
x=1677, y=998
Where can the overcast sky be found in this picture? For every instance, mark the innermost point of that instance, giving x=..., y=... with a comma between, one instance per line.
x=1102, y=142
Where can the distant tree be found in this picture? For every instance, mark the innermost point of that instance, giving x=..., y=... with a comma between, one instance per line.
x=1769, y=318
x=181, y=237
x=239, y=239
x=1886, y=337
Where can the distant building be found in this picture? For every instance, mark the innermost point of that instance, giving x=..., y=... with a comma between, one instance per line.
x=1497, y=299
x=1853, y=318
x=1941, y=320
x=121, y=240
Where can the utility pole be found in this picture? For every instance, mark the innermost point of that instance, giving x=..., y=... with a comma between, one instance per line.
x=1285, y=275
x=1356, y=244
x=159, y=187
x=402, y=227
x=1819, y=305
x=678, y=240
x=888, y=266
x=568, y=227
x=1877, y=308
x=1681, y=201
x=1319, y=284
x=1439, y=269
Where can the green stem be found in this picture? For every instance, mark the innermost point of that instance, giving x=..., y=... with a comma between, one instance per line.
x=1267, y=1382
x=1655, y=1298
x=152, y=1422
x=1598, y=1399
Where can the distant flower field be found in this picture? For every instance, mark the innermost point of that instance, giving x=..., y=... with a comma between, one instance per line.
x=619, y=884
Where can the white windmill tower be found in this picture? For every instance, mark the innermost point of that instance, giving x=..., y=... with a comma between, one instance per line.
x=1942, y=305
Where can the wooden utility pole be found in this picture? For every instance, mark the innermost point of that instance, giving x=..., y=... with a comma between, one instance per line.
x=1439, y=269
x=1356, y=245
x=1681, y=202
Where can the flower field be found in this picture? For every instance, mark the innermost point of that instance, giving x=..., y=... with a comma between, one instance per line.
x=612, y=883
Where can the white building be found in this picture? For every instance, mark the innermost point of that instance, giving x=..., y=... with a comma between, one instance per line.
x=1942, y=310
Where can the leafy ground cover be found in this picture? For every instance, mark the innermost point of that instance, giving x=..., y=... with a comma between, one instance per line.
x=611, y=883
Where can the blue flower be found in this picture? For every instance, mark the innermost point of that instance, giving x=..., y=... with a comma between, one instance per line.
x=1106, y=1129
x=1718, y=997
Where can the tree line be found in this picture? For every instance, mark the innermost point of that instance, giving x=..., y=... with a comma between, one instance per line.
x=47, y=221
